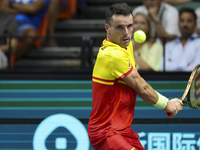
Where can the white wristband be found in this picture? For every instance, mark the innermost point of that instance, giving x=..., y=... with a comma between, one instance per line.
x=162, y=101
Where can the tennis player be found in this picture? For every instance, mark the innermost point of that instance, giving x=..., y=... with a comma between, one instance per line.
x=116, y=83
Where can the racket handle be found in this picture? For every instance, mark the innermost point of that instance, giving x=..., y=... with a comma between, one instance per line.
x=169, y=114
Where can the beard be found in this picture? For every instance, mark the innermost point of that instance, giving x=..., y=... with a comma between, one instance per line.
x=186, y=33
x=186, y=36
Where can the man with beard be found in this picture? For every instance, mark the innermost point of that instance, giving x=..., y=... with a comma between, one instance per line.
x=116, y=84
x=183, y=53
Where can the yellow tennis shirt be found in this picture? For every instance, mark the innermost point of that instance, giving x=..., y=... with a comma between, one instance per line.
x=113, y=100
x=113, y=62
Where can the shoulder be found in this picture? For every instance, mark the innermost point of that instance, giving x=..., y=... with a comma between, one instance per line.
x=109, y=48
x=196, y=40
x=171, y=44
x=169, y=8
x=118, y=54
x=114, y=55
x=113, y=52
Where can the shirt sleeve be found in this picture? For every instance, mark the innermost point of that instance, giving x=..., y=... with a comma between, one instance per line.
x=120, y=64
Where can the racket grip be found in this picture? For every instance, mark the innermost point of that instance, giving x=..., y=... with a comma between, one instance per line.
x=169, y=114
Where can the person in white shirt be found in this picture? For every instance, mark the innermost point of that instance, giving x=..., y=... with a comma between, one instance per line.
x=164, y=18
x=182, y=54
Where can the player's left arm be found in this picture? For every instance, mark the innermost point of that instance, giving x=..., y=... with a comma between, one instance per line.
x=149, y=95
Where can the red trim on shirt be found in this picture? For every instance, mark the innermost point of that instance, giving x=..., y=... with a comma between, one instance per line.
x=126, y=73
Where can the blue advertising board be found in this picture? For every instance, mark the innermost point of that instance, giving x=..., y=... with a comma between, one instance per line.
x=53, y=115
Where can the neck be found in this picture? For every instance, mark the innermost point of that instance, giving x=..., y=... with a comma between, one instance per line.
x=183, y=41
x=184, y=38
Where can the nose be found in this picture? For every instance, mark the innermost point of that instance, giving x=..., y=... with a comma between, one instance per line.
x=126, y=31
x=185, y=24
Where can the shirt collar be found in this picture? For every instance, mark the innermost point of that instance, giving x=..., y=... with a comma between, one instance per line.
x=109, y=43
x=193, y=37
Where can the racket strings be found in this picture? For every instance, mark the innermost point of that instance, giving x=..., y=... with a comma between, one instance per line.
x=194, y=94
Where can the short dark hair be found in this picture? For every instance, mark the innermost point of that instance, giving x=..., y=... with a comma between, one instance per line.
x=117, y=9
x=189, y=10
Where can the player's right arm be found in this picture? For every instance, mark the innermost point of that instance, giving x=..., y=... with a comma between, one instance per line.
x=148, y=94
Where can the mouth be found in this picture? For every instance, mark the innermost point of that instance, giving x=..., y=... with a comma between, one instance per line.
x=126, y=39
x=185, y=28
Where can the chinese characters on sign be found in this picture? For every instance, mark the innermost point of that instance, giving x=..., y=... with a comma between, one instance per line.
x=170, y=141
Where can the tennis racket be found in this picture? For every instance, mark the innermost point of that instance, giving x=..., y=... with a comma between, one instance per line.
x=192, y=90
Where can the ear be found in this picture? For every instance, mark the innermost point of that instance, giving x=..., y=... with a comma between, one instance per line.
x=107, y=27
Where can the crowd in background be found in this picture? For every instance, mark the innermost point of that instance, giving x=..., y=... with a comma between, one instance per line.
x=169, y=30
x=21, y=20
x=174, y=31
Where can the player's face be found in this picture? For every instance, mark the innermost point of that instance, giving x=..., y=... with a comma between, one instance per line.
x=187, y=24
x=140, y=23
x=120, y=30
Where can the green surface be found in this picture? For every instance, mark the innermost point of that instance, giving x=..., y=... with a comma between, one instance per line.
x=46, y=86
x=43, y=85
x=71, y=89
x=193, y=5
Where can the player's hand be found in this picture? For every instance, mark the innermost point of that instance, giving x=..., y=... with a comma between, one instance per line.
x=173, y=107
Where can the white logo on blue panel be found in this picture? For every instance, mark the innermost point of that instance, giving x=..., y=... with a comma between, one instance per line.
x=48, y=125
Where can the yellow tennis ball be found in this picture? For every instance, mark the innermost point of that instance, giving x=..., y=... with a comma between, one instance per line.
x=139, y=36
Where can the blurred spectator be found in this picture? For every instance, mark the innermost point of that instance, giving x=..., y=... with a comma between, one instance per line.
x=29, y=15
x=164, y=18
x=148, y=54
x=198, y=20
x=183, y=53
x=8, y=28
x=176, y=2
x=55, y=7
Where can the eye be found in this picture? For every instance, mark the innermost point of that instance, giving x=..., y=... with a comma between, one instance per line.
x=119, y=27
x=130, y=26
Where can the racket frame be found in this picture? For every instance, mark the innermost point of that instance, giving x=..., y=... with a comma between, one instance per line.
x=187, y=90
